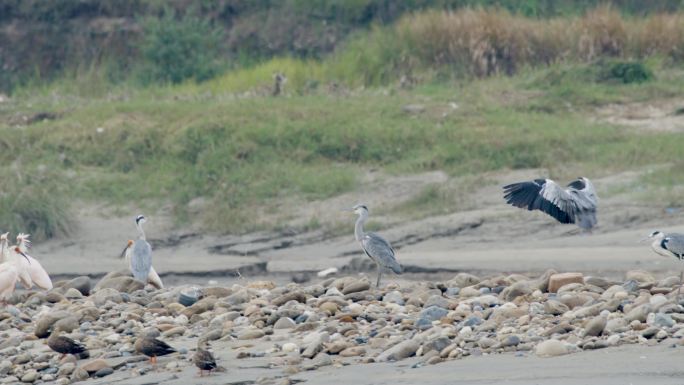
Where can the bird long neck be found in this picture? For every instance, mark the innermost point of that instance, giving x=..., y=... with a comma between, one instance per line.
x=11, y=255
x=141, y=231
x=22, y=245
x=4, y=251
x=358, y=229
x=54, y=334
x=658, y=248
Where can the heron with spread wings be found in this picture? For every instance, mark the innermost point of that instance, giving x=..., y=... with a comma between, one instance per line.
x=575, y=203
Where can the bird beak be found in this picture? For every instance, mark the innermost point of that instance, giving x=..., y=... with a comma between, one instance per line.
x=347, y=210
x=644, y=240
x=123, y=252
x=24, y=255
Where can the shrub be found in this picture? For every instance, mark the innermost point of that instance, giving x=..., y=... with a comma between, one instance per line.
x=176, y=50
x=626, y=72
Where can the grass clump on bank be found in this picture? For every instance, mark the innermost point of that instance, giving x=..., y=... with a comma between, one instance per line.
x=36, y=205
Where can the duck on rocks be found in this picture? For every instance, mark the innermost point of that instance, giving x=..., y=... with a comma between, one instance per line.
x=65, y=345
x=203, y=358
x=152, y=348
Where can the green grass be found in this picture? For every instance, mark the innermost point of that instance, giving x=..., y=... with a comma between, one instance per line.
x=247, y=155
x=666, y=188
x=34, y=204
x=439, y=199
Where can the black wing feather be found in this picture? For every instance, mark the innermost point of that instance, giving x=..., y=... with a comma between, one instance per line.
x=73, y=346
x=527, y=195
x=165, y=348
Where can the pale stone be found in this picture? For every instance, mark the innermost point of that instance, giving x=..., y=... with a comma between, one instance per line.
x=556, y=281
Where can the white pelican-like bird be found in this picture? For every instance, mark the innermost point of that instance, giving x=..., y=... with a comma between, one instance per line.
x=7, y=255
x=10, y=271
x=38, y=274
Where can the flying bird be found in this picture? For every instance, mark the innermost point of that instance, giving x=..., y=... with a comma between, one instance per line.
x=375, y=246
x=574, y=204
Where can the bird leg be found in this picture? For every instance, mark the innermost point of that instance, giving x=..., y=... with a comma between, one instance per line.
x=377, y=283
x=681, y=281
x=153, y=360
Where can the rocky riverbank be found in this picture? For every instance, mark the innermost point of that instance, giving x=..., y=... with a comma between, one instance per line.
x=341, y=321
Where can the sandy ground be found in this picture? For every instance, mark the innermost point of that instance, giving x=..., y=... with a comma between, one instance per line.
x=624, y=365
x=618, y=366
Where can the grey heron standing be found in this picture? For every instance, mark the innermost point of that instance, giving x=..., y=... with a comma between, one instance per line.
x=141, y=255
x=574, y=204
x=669, y=245
x=152, y=278
x=375, y=246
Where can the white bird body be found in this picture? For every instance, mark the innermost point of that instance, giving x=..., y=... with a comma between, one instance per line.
x=11, y=271
x=154, y=279
x=38, y=275
x=21, y=264
x=9, y=275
